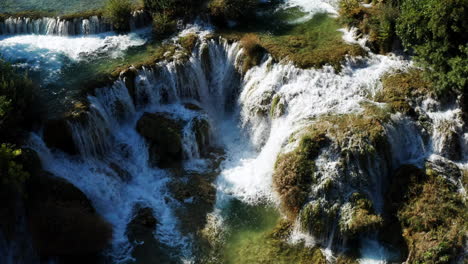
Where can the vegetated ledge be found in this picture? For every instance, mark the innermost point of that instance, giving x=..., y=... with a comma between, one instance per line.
x=311, y=44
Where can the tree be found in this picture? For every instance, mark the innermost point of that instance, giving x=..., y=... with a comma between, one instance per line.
x=436, y=30
x=12, y=174
x=119, y=12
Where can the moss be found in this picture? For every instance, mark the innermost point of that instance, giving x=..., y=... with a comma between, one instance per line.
x=188, y=42
x=253, y=51
x=315, y=218
x=294, y=172
x=357, y=132
x=432, y=215
x=314, y=43
x=362, y=217
x=277, y=107
x=400, y=88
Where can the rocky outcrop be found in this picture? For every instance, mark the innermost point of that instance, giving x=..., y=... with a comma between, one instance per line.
x=63, y=222
x=164, y=137
x=58, y=135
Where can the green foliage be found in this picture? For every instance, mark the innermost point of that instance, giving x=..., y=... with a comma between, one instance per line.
x=294, y=173
x=119, y=13
x=16, y=103
x=432, y=215
x=400, y=87
x=314, y=43
x=362, y=217
x=12, y=174
x=377, y=21
x=163, y=24
x=436, y=31
x=223, y=10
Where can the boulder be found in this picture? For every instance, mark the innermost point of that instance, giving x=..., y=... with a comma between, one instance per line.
x=58, y=135
x=164, y=136
x=63, y=222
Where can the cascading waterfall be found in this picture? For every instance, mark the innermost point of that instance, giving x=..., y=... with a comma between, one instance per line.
x=66, y=27
x=239, y=111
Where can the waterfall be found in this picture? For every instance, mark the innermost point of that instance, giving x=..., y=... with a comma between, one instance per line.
x=66, y=27
x=238, y=109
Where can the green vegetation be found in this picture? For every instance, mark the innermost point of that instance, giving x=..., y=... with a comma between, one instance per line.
x=377, y=21
x=223, y=11
x=166, y=12
x=253, y=51
x=18, y=109
x=314, y=43
x=362, y=217
x=432, y=215
x=12, y=174
x=294, y=173
x=119, y=13
x=399, y=88
x=436, y=31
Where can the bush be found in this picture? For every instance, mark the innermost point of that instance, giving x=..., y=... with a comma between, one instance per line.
x=12, y=175
x=17, y=107
x=222, y=10
x=163, y=24
x=119, y=13
x=436, y=31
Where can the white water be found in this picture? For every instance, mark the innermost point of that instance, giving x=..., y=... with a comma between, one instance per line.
x=50, y=54
x=63, y=27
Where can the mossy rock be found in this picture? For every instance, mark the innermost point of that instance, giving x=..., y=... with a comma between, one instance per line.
x=431, y=212
x=361, y=219
x=62, y=220
x=165, y=139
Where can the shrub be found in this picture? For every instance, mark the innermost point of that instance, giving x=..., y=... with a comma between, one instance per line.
x=163, y=24
x=222, y=10
x=18, y=110
x=119, y=13
x=436, y=31
x=253, y=51
x=12, y=174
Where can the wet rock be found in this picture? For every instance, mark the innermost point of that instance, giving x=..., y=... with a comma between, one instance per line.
x=58, y=135
x=444, y=167
x=193, y=107
x=129, y=76
x=164, y=136
x=141, y=233
x=143, y=223
x=121, y=173
x=451, y=148
x=201, y=129
x=198, y=195
x=63, y=222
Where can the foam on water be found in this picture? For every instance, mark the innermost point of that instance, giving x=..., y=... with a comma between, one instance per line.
x=49, y=54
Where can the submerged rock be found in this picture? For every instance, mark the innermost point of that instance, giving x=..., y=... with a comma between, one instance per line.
x=164, y=136
x=141, y=233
